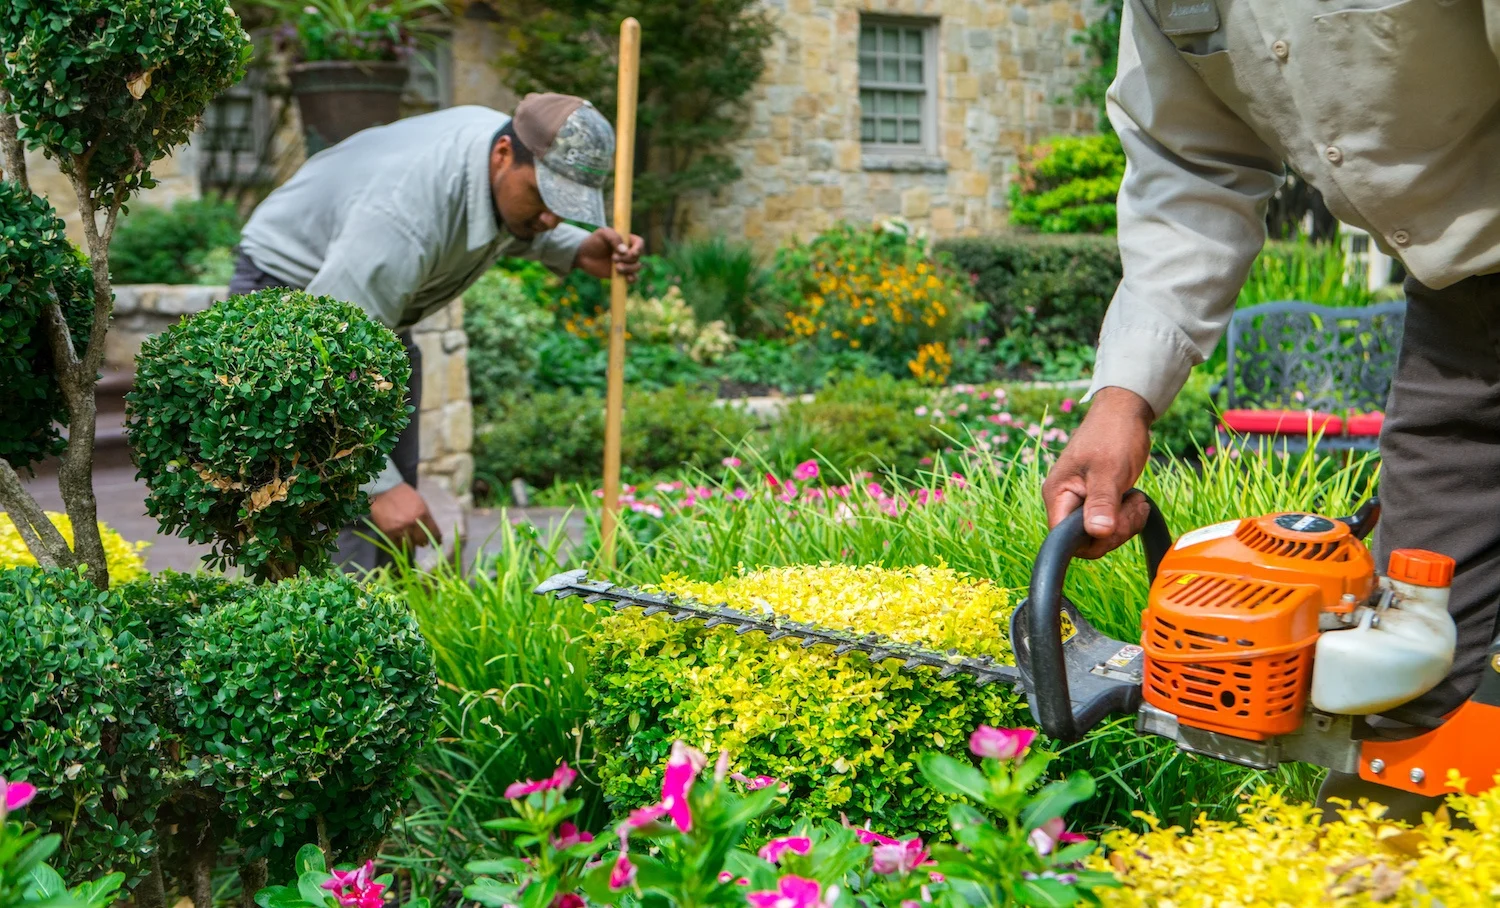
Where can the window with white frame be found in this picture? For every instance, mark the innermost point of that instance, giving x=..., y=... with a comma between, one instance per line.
x=898, y=84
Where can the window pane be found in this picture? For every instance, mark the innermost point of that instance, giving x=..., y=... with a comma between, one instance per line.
x=888, y=130
x=867, y=71
x=911, y=132
x=867, y=39
x=914, y=71
x=888, y=102
x=890, y=40
x=911, y=105
x=913, y=42
x=867, y=129
x=890, y=69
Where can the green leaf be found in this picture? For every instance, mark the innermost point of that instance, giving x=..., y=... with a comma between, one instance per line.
x=310, y=857
x=310, y=887
x=948, y=775
x=509, y=824
x=539, y=894
x=491, y=893
x=44, y=883
x=1045, y=893
x=497, y=866
x=277, y=897
x=1054, y=800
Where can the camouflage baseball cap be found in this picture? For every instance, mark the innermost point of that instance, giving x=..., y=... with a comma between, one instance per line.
x=574, y=147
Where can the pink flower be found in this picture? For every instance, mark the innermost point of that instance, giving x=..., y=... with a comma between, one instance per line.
x=645, y=816
x=1067, y=405
x=926, y=461
x=682, y=768
x=869, y=837
x=568, y=836
x=356, y=888
x=663, y=487
x=17, y=794
x=1209, y=450
x=806, y=471
x=650, y=510
x=772, y=481
x=740, y=494
x=726, y=876
x=874, y=490
x=788, y=491
x=559, y=781
x=732, y=463
x=704, y=493
x=623, y=873
x=568, y=900
x=1049, y=835
x=773, y=850
x=757, y=783
x=921, y=411
x=791, y=892
x=900, y=857
x=1001, y=743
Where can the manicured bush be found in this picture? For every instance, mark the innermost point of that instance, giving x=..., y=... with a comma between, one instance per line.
x=156, y=245
x=147, y=69
x=505, y=325
x=36, y=261
x=255, y=423
x=305, y=702
x=843, y=733
x=122, y=557
x=858, y=424
x=1069, y=185
x=879, y=289
x=72, y=676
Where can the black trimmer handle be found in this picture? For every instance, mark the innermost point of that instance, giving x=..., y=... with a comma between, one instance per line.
x=1364, y=520
x=1049, y=668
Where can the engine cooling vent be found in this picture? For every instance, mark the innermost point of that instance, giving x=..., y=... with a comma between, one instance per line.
x=1255, y=537
x=1210, y=591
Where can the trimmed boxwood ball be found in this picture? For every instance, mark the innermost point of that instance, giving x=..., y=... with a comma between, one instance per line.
x=71, y=723
x=35, y=257
x=255, y=423
x=147, y=68
x=306, y=700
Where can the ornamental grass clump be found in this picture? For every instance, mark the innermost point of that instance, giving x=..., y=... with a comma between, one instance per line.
x=1277, y=853
x=842, y=733
x=256, y=422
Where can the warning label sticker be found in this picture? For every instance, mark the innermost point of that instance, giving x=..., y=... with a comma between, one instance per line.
x=1208, y=534
x=1124, y=657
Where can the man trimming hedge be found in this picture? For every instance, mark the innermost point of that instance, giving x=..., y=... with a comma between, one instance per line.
x=1387, y=109
x=401, y=219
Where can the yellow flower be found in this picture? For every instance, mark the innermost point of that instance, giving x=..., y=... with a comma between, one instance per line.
x=122, y=559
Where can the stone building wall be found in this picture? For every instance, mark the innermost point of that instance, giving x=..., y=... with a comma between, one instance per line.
x=1005, y=78
x=176, y=174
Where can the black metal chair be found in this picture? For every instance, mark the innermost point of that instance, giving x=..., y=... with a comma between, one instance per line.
x=1293, y=358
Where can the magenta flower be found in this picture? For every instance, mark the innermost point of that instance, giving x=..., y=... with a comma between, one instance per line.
x=623, y=873
x=351, y=879
x=568, y=900
x=726, y=876
x=17, y=794
x=645, y=816
x=806, y=471
x=899, y=857
x=869, y=837
x=773, y=851
x=740, y=494
x=757, y=783
x=772, y=481
x=1001, y=743
x=1067, y=405
x=559, y=781
x=1049, y=835
x=732, y=463
x=791, y=892
x=568, y=836
x=788, y=491
x=683, y=765
x=356, y=888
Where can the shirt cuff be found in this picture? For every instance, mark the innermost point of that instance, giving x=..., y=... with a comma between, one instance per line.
x=558, y=247
x=389, y=478
x=1144, y=361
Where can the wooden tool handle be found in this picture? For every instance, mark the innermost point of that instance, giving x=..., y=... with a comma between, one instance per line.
x=630, y=67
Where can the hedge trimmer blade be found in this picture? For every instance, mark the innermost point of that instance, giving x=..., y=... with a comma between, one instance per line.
x=984, y=669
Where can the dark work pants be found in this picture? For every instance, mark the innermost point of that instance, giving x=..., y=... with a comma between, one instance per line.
x=356, y=553
x=1440, y=488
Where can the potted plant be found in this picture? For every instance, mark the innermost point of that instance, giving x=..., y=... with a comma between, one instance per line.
x=350, y=60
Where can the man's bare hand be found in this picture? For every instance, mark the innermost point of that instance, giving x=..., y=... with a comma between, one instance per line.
x=604, y=250
x=403, y=516
x=1100, y=464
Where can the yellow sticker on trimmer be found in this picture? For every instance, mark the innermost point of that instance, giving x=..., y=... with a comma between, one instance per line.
x=1185, y=579
x=1069, y=630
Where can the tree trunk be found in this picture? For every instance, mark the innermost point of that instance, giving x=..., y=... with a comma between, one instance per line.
x=205, y=860
x=152, y=892
x=10, y=146
x=253, y=878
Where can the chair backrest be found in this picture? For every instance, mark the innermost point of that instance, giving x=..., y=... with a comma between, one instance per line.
x=1303, y=356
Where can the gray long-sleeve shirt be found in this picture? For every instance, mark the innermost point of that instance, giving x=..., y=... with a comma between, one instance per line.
x=398, y=220
x=1392, y=110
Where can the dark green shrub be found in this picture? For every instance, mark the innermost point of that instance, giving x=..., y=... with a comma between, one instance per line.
x=505, y=327
x=255, y=423
x=144, y=68
x=858, y=424
x=759, y=366
x=172, y=245
x=678, y=427
x=72, y=676
x=1046, y=297
x=36, y=260
x=1069, y=185
x=306, y=703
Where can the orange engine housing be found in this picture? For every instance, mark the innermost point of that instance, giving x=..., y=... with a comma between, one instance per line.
x=1232, y=619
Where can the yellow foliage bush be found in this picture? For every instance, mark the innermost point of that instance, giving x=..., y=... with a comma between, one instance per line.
x=122, y=558
x=1279, y=855
x=844, y=733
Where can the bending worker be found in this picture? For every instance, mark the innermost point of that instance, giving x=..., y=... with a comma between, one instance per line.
x=1392, y=111
x=401, y=219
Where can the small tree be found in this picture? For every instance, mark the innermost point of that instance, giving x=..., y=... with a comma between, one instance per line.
x=700, y=59
x=106, y=88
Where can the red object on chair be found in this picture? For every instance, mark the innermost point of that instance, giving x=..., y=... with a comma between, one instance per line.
x=1282, y=422
x=1367, y=425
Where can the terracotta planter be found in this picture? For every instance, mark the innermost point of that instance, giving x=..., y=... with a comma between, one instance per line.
x=338, y=98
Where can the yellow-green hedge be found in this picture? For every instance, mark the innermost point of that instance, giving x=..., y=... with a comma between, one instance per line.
x=123, y=558
x=843, y=733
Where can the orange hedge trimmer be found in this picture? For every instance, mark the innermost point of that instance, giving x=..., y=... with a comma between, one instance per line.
x=1265, y=640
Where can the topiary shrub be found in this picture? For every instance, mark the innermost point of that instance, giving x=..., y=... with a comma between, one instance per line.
x=36, y=261
x=1069, y=185
x=843, y=733
x=306, y=703
x=72, y=676
x=255, y=423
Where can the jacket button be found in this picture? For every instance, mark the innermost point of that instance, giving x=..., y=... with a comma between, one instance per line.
x=1401, y=238
x=1280, y=49
x=1333, y=155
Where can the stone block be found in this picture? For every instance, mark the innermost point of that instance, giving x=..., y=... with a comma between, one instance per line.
x=778, y=207
x=916, y=202
x=965, y=87
x=430, y=446
x=767, y=154
x=458, y=426
x=944, y=220
x=456, y=381
x=848, y=156
x=186, y=300
x=831, y=197
x=781, y=127
x=454, y=339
